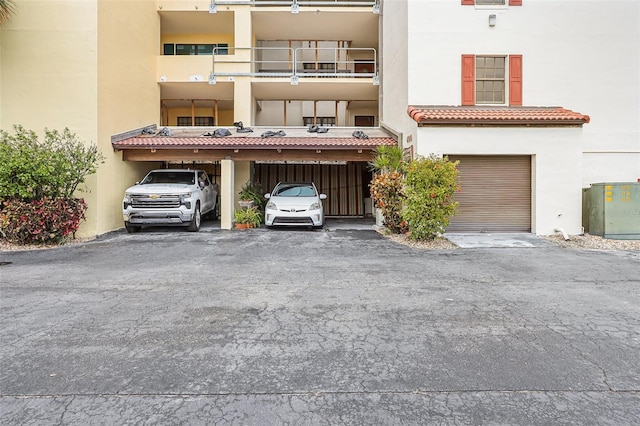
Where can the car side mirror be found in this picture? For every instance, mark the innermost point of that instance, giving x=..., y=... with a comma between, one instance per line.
x=201, y=183
x=323, y=196
x=267, y=196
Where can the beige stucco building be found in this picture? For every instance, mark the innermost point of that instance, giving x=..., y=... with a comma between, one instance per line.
x=566, y=94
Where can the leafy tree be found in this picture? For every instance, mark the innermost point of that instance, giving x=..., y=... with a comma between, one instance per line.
x=430, y=186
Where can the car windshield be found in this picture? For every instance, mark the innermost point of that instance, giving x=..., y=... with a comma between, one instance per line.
x=187, y=178
x=294, y=190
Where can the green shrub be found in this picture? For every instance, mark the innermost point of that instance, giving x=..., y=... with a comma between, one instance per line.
x=54, y=167
x=42, y=221
x=38, y=180
x=248, y=215
x=253, y=191
x=430, y=185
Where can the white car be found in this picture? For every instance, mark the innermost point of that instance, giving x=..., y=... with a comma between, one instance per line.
x=294, y=204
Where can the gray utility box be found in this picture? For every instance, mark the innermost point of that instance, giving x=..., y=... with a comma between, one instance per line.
x=613, y=210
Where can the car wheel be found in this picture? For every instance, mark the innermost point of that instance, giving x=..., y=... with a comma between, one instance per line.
x=131, y=229
x=194, y=226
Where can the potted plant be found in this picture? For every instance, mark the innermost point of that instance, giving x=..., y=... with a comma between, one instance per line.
x=251, y=195
x=248, y=217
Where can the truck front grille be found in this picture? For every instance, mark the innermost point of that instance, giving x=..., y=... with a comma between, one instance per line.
x=155, y=202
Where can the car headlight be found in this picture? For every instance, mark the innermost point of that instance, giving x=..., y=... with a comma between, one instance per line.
x=271, y=205
x=315, y=206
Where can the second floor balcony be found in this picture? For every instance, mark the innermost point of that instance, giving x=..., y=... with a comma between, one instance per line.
x=294, y=63
x=225, y=63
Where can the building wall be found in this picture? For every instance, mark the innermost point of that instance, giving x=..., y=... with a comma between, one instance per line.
x=583, y=56
x=50, y=74
x=128, y=96
x=394, y=58
x=556, y=156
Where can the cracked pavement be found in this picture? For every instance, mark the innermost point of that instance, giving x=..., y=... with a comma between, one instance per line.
x=316, y=327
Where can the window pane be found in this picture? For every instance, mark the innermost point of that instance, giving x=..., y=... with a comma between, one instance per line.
x=205, y=49
x=490, y=73
x=168, y=49
x=490, y=79
x=185, y=49
x=184, y=121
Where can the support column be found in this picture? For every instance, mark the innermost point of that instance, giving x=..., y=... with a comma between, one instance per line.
x=242, y=94
x=227, y=193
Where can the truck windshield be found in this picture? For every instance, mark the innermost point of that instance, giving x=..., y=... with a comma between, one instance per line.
x=187, y=178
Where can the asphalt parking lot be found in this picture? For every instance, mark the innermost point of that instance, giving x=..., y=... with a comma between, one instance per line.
x=340, y=326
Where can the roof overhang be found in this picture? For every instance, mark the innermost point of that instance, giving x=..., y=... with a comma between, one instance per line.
x=495, y=116
x=191, y=144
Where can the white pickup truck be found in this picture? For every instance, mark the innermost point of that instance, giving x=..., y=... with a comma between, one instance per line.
x=171, y=197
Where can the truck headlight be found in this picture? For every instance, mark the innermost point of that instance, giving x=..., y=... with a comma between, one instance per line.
x=185, y=195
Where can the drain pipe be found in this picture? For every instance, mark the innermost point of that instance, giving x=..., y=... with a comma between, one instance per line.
x=563, y=232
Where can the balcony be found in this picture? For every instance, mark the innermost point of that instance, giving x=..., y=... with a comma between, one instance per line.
x=296, y=4
x=295, y=64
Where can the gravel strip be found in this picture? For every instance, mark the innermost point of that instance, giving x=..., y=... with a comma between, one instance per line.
x=593, y=242
x=586, y=241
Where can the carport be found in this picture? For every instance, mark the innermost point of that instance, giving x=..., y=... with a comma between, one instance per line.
x=336, y=159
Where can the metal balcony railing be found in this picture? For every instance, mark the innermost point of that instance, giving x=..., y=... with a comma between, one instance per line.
x=296, y=4
x=295, y=63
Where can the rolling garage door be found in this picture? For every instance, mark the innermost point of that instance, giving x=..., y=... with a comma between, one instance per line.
x=495, y=194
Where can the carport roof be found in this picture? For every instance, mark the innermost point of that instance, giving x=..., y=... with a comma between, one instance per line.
x=337, y=138
x=503, y=116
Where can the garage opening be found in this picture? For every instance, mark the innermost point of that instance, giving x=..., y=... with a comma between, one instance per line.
x=495, y=194
x=345, y=183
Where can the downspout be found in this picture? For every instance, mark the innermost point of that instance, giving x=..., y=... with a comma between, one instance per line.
x=563, y=232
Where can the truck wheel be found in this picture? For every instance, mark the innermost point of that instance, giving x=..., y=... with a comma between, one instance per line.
x=131, y=228
x=194, y=226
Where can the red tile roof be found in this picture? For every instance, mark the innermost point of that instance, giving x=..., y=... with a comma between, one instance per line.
x=230, y=142
x=525, y=116
x=193, y=139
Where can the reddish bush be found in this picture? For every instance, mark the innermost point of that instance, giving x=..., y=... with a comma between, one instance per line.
x=387, y=193
x=42, y=221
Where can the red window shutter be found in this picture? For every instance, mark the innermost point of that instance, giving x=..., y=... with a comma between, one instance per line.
x=468, y=2
x=468, y=79
x=515, y=2
x=515, y=80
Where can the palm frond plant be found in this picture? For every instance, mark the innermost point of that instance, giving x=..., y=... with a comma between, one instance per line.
x=7, y=8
